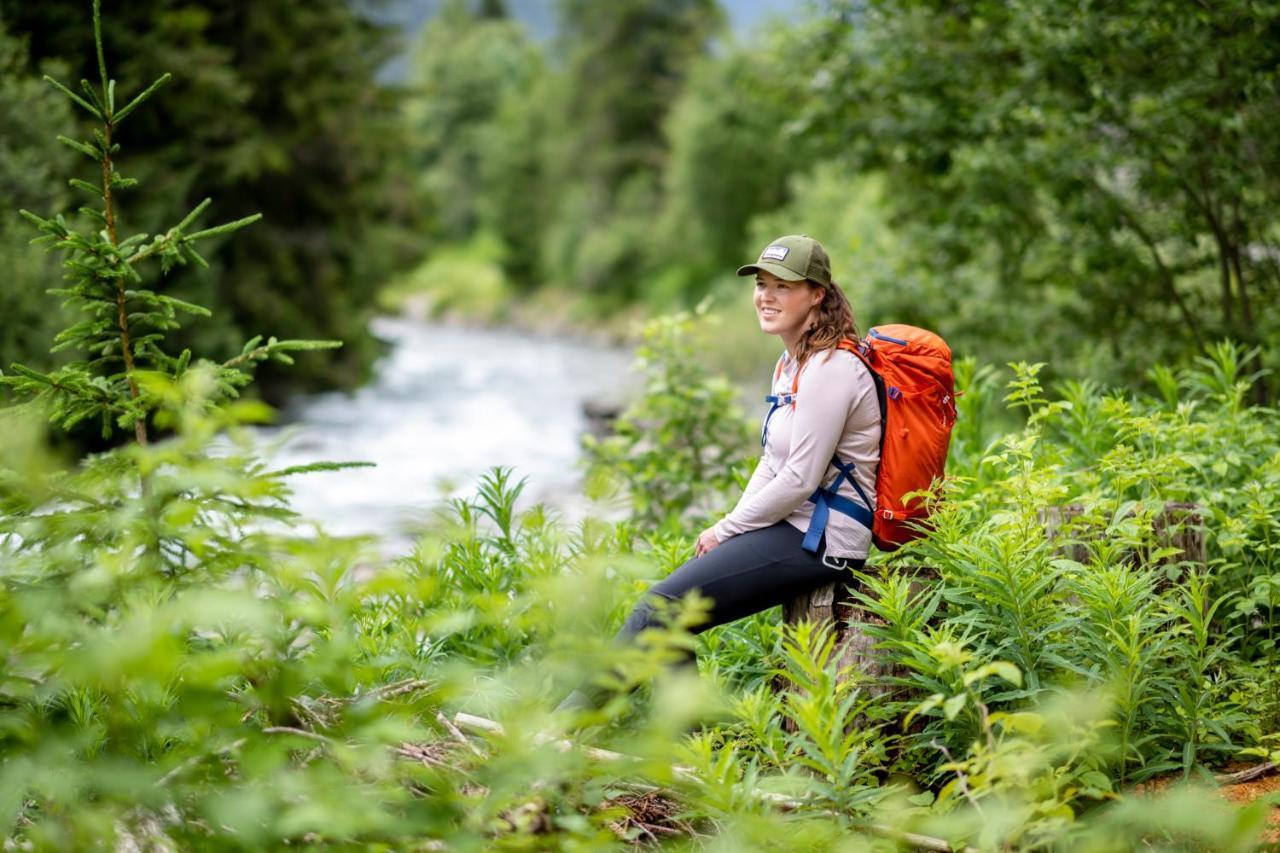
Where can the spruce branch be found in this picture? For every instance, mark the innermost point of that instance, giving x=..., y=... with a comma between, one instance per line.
x=146, y=93
x=275, y=350
x=97, y=41
x=74, y=97
x=124, y=324
x=317, y=466
x=225, y=228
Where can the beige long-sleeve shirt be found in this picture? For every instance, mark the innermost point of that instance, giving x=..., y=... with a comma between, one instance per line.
x=835, y=413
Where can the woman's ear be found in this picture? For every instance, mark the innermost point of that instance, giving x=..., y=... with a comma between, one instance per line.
x=819, y=294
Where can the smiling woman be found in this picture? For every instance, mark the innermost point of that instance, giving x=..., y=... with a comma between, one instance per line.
x=821, y=436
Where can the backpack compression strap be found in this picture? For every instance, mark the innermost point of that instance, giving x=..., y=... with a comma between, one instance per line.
x=827, y=499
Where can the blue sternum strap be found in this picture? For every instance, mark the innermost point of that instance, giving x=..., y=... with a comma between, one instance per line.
x=775, y=401
x=826, y=499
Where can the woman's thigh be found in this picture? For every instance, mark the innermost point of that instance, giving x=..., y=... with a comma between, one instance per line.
x=749, y=573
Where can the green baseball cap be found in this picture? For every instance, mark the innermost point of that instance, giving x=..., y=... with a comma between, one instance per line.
x=793, y=258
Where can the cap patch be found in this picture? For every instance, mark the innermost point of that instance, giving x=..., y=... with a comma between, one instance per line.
x=774, y=253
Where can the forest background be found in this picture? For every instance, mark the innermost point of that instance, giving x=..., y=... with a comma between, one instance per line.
x=1094, y=186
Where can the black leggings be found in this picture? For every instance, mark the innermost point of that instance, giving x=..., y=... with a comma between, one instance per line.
x=744, y=575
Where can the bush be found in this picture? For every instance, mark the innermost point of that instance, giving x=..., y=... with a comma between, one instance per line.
x=681, y=447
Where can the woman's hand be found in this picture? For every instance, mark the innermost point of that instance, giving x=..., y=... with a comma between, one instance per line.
x=707, y=542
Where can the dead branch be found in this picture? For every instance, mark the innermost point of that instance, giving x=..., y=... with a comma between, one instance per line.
x=1249, y=775
x=457, y=734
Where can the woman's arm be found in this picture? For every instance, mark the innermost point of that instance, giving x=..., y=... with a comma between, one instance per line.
x=760, y=477
x=829, y=389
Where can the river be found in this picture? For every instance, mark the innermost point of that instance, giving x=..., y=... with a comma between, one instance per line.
x=446, y=404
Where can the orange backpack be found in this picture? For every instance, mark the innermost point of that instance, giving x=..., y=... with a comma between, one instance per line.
x=911, y=368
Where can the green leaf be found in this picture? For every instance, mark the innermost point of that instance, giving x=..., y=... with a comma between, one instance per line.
x=1096, y=779
x=1008, y=671
x=1022, y=722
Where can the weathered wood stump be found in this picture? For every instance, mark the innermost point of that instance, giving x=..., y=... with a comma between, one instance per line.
x=1061, y=526
x=1178, y=526
x=855, y=648
x=1181, y=526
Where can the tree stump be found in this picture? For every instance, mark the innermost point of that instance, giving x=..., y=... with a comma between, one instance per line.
x=855, y=649
x=1059, y=527
x=1181, y=526
x=1177, y=525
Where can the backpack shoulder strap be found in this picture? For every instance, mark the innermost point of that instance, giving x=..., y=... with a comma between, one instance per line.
x=846, y=344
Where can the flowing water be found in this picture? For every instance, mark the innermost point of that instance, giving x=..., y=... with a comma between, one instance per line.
x=445, y=405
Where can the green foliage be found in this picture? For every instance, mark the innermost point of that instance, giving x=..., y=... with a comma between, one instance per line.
x=562, y=156
x=464, y=279
x=730, y=158
x=275, y=111
x=1160, y=637
x=472, y=80
x=626, y=63
x=681, y=444
x=117, y=382
x=1041, y=189
x=178, y=673
x=181, y=670
x=1115, y=165
x=31, y=114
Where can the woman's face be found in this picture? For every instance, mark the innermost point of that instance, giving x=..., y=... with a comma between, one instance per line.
x=784, y=307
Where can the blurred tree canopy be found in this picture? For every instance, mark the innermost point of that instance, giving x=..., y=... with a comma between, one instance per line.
x=1116, y=163
x=1089, y=184
x=32, y=114
x=275, y=109
x=473, y=119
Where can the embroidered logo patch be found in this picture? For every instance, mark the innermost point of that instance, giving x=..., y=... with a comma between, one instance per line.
x=774, y=253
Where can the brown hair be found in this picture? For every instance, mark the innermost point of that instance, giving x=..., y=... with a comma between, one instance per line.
x=835, y=321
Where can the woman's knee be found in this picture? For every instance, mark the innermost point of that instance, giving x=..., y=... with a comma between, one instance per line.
x=646, y=612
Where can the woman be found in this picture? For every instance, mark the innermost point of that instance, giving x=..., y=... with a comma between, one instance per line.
x=825, y=435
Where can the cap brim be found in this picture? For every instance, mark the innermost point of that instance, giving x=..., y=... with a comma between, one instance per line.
x=777, y=269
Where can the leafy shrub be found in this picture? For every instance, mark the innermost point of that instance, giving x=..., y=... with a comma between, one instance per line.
x=678, y=449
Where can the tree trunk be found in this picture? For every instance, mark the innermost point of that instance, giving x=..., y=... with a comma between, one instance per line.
x=1177, y=525
x=855, y=649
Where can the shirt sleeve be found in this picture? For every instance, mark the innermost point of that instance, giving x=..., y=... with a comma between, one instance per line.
x=759, y=478
x=825, y=397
